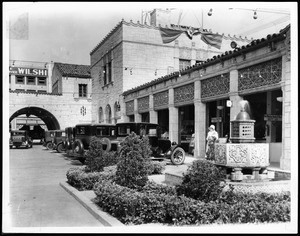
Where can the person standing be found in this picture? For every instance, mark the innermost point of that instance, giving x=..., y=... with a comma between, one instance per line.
x=211, y=139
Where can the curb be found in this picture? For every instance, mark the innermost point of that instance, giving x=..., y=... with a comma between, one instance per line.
x=103, y=217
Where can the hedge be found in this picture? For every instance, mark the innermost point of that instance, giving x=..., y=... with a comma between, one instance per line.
x=139, y=207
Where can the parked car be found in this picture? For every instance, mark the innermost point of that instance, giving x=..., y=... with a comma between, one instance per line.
x=162, y=148
x=58, y=140
x=48, y=140
x=84, y=133
x=20, y=138
x=69, y=140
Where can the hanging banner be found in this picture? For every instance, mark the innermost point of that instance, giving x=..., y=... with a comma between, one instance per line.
x=169, y=35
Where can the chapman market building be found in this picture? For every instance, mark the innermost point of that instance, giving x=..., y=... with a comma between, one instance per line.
x=210, y=92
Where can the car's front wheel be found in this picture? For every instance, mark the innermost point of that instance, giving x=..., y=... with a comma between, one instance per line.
x=178, y=156
x=49, y=145
x=60, y=148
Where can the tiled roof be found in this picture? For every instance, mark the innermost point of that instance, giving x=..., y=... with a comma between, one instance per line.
x=216, y=59
x=138, y=24
x=72, y=70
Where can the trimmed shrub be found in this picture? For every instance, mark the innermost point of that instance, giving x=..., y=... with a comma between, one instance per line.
x=133, y=207
x=155, y=167
x=97, y=158
x=132, y=166
x=153, y=187
x=203, y=181
x=81, y=179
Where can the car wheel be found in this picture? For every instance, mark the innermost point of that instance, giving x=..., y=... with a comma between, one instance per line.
x=60, y=148
x=178, y=156
x=10, y=147
x=49, y=146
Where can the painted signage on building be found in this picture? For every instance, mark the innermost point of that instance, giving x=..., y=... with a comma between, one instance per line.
x=28, y=71
x=216, y=119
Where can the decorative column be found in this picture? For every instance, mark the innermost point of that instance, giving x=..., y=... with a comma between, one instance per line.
x=233, y=95
x=137, y=115
x=152, y=112
x=124, y=117
x=200, y=113
x=285, y=160
x=173, y=118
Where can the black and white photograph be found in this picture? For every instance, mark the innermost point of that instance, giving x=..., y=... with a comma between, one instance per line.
x=150, y=117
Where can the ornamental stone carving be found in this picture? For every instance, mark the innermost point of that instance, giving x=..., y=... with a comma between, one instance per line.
x=161, y=99
x=130, y=108
x=216, y=85
x=184, y=93
x=267, y=73
x=242, y=155
x=143, y=104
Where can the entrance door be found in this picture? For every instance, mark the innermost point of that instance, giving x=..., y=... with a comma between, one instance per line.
x=186, y=125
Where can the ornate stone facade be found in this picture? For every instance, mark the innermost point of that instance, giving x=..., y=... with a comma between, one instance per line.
x=267, y=73
x=161, y=99
x=184, y=93
x=130, y=108
x=214, y=86
x=143, y=104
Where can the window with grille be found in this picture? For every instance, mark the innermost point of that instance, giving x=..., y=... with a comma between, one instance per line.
x=19, y=79
x=31, y=80
x=82, y=90
x=109, y=72
x=104, y=75
x=41, y=80
x=184, y=63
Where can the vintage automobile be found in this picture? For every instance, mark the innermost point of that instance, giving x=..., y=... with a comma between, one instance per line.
x=48, y=139
x=58, y=140
x=84, y=133
x=20, y=138
x=69, y=140
x=162, y=148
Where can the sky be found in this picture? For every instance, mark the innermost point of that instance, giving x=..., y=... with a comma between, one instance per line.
x=68, y=31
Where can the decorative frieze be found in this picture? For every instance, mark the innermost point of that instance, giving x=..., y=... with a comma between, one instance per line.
x=214, y=86
x=161, y=99
x=143, y=104
x=243, y=155
x=263, y=74
x=130, y=107
x=184, y=93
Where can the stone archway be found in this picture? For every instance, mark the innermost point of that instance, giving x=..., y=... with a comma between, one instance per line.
x=47, y=117
x=117, y=109
x=108, y=114
x=100, y=115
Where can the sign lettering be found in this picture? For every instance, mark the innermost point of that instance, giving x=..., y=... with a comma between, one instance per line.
x=28, y=71
x=216, y=119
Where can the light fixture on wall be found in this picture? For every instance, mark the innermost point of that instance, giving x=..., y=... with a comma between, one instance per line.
x=255, y=15
x=279, y=99
x=220, y=107
x=210, y=12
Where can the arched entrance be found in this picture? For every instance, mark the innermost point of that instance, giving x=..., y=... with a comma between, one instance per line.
x=108, y=114
x=100, y=114
x=47, y=117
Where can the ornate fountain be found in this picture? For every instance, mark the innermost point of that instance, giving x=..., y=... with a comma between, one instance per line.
x=245, y=160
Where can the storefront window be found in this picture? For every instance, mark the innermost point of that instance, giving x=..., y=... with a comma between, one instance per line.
x=20, y=80
x=31, y=80
x=41, y=81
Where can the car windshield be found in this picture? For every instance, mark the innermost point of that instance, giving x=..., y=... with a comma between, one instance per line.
x=105, y=131
x=82, y=130
x=18, y=133
x=142, y=129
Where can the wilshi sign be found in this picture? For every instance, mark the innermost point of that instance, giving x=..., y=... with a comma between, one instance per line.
x=28, y=71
